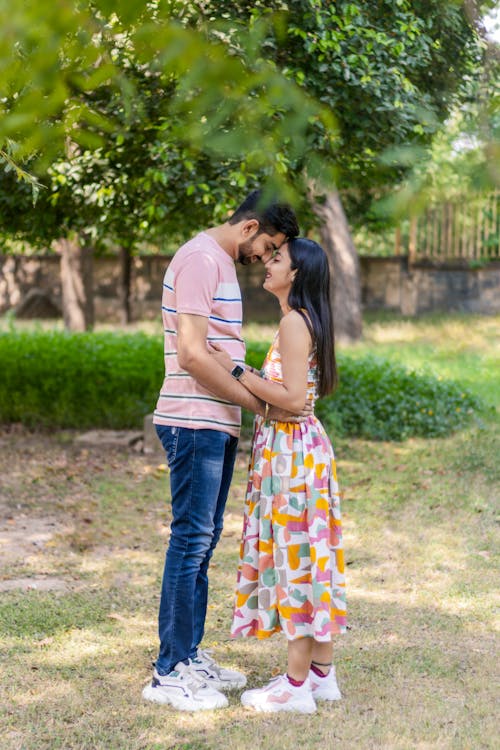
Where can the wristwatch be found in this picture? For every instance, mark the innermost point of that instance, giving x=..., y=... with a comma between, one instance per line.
x=237, y=372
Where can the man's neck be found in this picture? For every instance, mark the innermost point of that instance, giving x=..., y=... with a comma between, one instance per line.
x=223, y=235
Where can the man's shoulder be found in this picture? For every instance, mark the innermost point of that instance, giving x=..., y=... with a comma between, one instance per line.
x=202, y=258
x=200, y=244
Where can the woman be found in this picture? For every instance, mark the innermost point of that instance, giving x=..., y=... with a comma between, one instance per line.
x=290, y=574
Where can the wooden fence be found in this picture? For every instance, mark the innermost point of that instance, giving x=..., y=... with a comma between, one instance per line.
x=467, y=229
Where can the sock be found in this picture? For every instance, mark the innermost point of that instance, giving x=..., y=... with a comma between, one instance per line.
x=317, y=671
x=295, y=683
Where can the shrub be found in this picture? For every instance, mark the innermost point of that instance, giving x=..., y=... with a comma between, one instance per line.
x=383, y=401
x=111, y=380
x=379, y=400
x=82, y=380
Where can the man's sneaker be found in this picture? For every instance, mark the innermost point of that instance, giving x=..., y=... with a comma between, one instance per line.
x=183, y=689
x=325, y=688
x=215, y=676
x=280, y=695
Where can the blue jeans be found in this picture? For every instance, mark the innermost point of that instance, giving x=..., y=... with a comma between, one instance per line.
x=201, y=467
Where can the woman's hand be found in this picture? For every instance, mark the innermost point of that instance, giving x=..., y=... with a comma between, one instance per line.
x=221, y=356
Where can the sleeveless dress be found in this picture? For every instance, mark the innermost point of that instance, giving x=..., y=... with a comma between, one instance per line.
x=291, y=567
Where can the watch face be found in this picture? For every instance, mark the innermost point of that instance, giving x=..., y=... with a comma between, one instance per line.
x=237, y=372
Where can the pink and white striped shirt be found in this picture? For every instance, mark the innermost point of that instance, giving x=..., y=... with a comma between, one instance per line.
x=200, y=280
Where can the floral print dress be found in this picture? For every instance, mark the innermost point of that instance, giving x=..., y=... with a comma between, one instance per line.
x=291, y=567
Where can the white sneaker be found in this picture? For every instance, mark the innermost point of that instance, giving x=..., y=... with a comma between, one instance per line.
x=215, y=676
x=183, y=689
x=280, y=695
x=325, y=688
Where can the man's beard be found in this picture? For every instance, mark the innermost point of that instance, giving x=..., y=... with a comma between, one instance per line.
x=244, y=252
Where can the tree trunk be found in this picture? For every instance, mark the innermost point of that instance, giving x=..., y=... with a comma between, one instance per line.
x=76, y=282
x=344, y=268
x=124, y=291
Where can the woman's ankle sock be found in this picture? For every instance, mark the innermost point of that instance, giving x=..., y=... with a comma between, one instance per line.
x=318, y=671
x=295, y=683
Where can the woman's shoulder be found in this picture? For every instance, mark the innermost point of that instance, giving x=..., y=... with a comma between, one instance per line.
x=295, y=324
x=293, y=319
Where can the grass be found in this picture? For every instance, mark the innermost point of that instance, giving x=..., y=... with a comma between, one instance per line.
x=461, y=347
x=418, y=665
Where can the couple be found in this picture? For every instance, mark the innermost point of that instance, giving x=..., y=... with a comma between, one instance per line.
x=290, y=574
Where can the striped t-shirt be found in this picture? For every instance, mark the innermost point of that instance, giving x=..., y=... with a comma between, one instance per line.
x=200, y=280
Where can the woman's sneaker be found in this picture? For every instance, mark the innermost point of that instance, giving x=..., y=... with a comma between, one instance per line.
x=183, y=689
x=325, y=688
x=280, y=695
x=218, y=677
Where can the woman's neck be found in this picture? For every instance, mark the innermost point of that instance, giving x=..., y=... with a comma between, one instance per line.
x=283, y=300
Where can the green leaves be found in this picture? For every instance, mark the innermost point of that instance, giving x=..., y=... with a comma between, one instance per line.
x=112, y=380
x=293, y=91
x=71, y=381
x=148, y=116
x=379, y=400
x=81, y=73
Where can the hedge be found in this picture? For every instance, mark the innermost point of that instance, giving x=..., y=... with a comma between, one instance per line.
x=110, y=380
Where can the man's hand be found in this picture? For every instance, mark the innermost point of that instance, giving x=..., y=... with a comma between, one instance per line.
x=220, y=355
x=281, y=415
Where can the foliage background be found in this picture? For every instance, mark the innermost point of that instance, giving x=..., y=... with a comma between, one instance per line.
x=57, y=380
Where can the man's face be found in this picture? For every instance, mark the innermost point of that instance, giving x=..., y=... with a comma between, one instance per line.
x=259, y=247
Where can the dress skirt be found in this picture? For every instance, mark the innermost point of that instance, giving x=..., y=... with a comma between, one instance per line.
x=291, y=567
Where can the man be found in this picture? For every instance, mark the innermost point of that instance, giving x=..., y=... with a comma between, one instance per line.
x=198, y=422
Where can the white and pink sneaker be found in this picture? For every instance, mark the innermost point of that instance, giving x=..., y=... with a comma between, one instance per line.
x=280, y=695
x=325, y=688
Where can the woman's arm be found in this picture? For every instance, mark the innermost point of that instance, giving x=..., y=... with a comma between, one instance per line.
x=295, y=346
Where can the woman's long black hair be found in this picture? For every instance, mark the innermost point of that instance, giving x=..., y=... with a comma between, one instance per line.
x=311, y=292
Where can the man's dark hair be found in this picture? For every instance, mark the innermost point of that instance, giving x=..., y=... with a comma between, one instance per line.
x=272, y=217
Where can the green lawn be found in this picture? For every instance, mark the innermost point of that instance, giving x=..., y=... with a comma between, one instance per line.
x=462, y=347
x=419, y=663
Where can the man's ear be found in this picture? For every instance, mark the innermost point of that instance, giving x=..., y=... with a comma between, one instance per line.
x=249, y=227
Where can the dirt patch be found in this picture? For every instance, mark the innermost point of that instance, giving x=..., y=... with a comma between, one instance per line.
x=35, y=583
x=117, y=438
x=20, y=538
x=46, y=497
x=49, y=507
x=23, y=535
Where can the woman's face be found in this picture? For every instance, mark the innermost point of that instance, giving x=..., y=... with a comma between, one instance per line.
x=279, y=274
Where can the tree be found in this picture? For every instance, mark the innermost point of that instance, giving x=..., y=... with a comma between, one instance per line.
x=123, y=100
x=240, y=81
x=464, y=156
x=390, y=71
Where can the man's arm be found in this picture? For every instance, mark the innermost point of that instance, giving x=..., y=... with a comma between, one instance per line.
x=193, y=356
